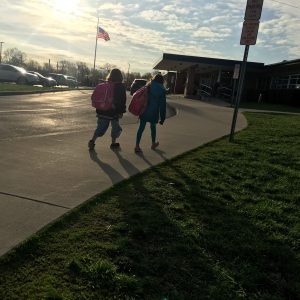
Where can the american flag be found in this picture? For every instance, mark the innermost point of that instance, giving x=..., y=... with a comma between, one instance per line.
x=102, y=34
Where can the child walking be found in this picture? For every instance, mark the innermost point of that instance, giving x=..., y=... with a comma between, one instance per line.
x=111, y=116
x=155, y=111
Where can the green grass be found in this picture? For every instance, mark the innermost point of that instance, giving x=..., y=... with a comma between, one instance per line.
x=270, y=106
x=220, y=222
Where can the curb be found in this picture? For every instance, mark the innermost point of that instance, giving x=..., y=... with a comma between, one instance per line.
x=16, y=93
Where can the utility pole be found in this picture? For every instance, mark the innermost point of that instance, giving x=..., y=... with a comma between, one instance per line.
x=127, y=75
x=1, y=51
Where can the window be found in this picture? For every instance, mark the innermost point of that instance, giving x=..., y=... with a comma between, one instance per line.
x=286, y=82
x=6, y=68
x=294, y=81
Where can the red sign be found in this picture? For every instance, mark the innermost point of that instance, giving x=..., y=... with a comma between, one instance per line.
x=253, y=9
x=249, y=33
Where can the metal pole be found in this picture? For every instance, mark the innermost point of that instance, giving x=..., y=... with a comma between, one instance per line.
x=239, y=92
x=233, y=92
x=96, y=44
x=1, y=51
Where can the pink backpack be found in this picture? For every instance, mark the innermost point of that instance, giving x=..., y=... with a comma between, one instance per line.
x=139, y=101
x=102, y=97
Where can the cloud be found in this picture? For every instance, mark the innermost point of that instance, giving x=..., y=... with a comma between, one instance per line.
x=117, y=8
x=141, y=31
x=176, y=9
x=206, y=32
x=171, y=21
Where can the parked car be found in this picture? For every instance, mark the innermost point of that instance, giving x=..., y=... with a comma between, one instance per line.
x=72, y=81
x=137, y=84
x=44, y=81
x=10, y=73
x=61, y=79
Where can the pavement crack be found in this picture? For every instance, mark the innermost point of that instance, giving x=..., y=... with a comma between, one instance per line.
x=34, y=200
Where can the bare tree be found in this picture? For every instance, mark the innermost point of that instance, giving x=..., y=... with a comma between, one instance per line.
x=108, y=67
x=83, y=73
x=47, y=69
x=147, y=76
x=14, y=56
x=33, y=65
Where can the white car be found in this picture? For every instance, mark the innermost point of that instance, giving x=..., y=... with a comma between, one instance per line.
x=10, y=73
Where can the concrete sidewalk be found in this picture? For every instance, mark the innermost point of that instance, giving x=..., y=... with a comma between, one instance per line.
x=55, y=173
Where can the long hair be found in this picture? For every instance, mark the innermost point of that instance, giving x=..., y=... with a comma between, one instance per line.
x=158, y=78
x=115, y=75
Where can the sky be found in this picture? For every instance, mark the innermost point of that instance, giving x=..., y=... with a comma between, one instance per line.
x=141, y=31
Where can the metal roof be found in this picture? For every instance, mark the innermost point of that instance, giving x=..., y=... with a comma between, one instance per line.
x=285, y=63
x=176, y=62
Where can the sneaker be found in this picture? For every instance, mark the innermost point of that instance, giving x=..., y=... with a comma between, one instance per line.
x=115, y=146
x=91, y=145
x=155, y=145
x=137, y=149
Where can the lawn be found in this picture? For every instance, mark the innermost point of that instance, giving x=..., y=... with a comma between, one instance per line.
x=270, y=106
x=219, y=222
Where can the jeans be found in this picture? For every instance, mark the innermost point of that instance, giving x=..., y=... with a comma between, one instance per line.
x=103, y=124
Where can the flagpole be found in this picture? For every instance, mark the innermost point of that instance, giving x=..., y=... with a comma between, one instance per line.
x=96, y=44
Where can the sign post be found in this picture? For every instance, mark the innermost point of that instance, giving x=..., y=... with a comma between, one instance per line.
x=248, y=37
x=235, y=77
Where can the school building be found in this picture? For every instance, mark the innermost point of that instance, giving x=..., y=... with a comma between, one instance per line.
x=196, y=77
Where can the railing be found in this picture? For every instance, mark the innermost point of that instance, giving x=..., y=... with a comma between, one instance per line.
x=225, y=92
x=205, y=90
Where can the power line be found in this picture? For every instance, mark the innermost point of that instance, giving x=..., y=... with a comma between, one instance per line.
x=294, y=6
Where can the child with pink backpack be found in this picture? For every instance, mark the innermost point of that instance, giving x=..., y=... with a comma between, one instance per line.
x=109, y=99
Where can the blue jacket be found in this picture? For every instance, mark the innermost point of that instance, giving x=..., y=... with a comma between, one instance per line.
x=156, y=108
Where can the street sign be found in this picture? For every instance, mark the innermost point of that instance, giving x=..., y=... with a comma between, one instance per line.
x=249, y=33
x=253, y=9
x=236, y=71
x=248, y=37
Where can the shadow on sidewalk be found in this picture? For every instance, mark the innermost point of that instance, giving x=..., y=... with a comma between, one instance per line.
x=114, y=175
x=126, y=164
